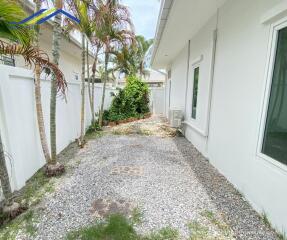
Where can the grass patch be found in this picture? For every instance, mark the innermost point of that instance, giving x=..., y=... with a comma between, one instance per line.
x=137, y=216
x=118, y=227
x=94, y=135
x=166, y=233
x=197, y=231
x=222, y=226
x=35, y=189
x=24, y=223
x=266, y=221
x=33, y=192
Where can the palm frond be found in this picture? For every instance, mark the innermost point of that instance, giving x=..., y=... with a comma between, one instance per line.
x=11, y=11
x=34, y=56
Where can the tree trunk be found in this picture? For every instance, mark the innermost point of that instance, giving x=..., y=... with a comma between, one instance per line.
x=89, y=80
x=4, y=177
x=82, y=137
x=38, y=100
x=53, y=98
x=93, y=86
x=106, y=78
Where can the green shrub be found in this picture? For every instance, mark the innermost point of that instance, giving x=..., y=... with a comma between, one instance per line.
x=132, y=101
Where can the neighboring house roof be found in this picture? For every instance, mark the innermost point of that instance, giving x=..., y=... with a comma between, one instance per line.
x=179, y=21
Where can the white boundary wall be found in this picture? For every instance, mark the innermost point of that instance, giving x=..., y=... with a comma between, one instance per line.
x=18, y=120
x=157, y=95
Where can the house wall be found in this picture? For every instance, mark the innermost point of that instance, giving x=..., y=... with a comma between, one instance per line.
x=230, y=140
x=18, y=120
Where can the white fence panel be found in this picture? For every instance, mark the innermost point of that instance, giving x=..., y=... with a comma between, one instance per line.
x=157, y=100
x=18, y=120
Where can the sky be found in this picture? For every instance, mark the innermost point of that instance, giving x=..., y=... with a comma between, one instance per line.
x=144, y=15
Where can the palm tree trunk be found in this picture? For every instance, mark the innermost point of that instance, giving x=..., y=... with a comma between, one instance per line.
x=38, y=100
x=4, y=177
x=104, y=88
x=53, y=98
x=83, y=94
x=89, y=80
x=93, y=85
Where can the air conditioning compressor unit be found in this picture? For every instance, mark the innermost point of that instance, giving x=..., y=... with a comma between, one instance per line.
x=175, y=118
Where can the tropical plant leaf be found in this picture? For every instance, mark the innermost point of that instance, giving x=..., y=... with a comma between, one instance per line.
x=34, y=56
x=11, y=11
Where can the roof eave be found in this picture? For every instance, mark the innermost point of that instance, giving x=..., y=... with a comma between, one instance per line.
x=165, y=8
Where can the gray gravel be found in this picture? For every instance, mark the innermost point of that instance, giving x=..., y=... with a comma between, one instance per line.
x=176, y=186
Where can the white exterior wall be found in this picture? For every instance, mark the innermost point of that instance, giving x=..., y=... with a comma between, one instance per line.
x=236, y=107
x=18, y=120
x=178, y=80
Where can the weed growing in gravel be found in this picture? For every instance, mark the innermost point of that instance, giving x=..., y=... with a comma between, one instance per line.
x=197, y=231
x=94, y=135
x=35, y=189
x=137, y=216
x=118, y=227
x=222, y=226
x=24, y=223
x=163, y=234
x=266, y=221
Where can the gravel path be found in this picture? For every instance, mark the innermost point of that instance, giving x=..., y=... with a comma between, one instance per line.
x=164, y=177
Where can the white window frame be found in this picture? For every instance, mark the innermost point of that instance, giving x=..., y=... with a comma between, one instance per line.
x=272, y=49
x=193, y=70
x=196, y=63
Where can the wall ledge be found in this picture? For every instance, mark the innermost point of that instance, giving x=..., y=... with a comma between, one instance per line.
x=275, y=13
x=199, y=131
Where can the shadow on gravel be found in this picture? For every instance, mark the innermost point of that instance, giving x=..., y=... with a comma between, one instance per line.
x=244, y=221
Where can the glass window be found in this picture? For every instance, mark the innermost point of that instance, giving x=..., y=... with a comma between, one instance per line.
x=195, y=92
x=275, y=136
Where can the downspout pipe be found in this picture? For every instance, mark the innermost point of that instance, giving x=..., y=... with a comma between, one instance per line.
x=214, y=48
x=186, y=83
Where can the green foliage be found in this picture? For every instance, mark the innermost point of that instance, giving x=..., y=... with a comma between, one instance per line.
x=164, y=234
x=118, y=227
x=132, y=101
x=36, y=188
x=197, y=231
x=130, y=59
x=94, y=127
x=25, y=223
x=11, y=11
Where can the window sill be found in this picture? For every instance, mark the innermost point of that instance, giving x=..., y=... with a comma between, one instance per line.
x=272, y=162
x=199, y=131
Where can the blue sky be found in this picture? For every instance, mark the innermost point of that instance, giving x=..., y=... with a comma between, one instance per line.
x=144, y=15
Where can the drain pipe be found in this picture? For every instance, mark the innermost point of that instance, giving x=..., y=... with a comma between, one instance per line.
x=186, y=85
x=214, y=48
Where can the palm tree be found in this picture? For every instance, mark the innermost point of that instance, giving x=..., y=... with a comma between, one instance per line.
x=10, y=12
x=143, y=46
x=81, y=9
x=114, y=29
x=130, y=59
x=57, y=33
x=38, y=98
x=98, y=46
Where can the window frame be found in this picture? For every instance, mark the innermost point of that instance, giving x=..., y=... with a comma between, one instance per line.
x=194, y=67
x=272, y=49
